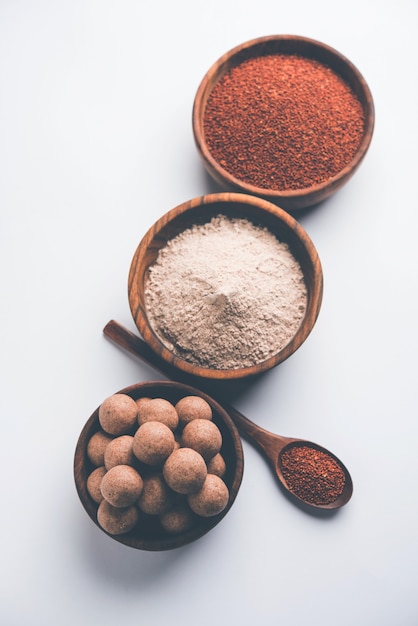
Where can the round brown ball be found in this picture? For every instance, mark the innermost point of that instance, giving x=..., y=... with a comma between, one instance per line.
x=141, y=401
x=121, y=486
x=94, y=480
x=119, y=452
x=185, y=470
x=216, y=465
x=96, y=447
x=118, y=414
x=193, y=407
x=156, y=497
x=203, y=436
x=158, y=410
x=117, y=521
x=153, y=442
x=211, y=499
x=178, y=519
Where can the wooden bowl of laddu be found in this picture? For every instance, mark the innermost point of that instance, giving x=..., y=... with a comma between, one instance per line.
x=125, y=474
x=225, y=286
x=283, y=117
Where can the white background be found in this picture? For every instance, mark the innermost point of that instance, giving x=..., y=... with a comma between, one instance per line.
x=95, y=145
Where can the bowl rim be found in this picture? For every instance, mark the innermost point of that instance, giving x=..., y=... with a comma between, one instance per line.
x=170, y=542
x=292, y=198
x=265, y=208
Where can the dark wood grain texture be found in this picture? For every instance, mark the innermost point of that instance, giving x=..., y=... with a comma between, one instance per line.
x=290, y=200
x=200, y=210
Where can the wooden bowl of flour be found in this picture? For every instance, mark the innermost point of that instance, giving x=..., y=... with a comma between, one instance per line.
x=225, y=286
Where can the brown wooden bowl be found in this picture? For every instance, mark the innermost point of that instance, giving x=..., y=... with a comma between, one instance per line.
x=200, y=210
x=288, y=199
x=149, y=535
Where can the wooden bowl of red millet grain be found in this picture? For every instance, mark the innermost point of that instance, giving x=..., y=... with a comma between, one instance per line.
x=114, y=457
x=283, y=117
x=216, y=287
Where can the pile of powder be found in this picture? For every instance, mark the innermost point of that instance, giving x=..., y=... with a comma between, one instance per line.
x=225, y=294
x=283, y=122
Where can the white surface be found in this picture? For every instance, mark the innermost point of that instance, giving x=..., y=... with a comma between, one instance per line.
x=95, y=144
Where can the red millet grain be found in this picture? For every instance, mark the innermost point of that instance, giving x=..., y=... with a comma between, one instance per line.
x=312, y=475
x=283, y=122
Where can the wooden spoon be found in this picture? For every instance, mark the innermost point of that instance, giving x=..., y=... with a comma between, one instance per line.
x=309, y=487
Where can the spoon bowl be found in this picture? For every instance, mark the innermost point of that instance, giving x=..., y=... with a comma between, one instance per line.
x=273, y=447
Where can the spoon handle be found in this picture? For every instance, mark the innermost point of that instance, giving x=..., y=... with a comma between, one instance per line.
x=138, y=348
x=133, y=344
x=269, y=442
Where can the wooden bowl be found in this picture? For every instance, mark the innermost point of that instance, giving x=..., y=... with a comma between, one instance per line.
x=288, y=199
x=198, y=211
x=149, y=535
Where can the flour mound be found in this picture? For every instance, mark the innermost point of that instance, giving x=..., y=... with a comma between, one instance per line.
x=226, y=294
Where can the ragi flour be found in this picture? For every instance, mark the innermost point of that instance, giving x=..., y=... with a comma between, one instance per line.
x=226, y=294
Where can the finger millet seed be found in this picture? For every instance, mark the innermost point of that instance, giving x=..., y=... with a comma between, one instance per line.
x=119, y=452
x=312, y=475
x=282, y=121
x=193, y=407
x=118, y=414
x=96, y=447
x=158, y=410
x=121, y=486
x=117, y=521
x=153, y=442
x=185, y=471
x=211, y=499
x=93, y=484
x=203, y=436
